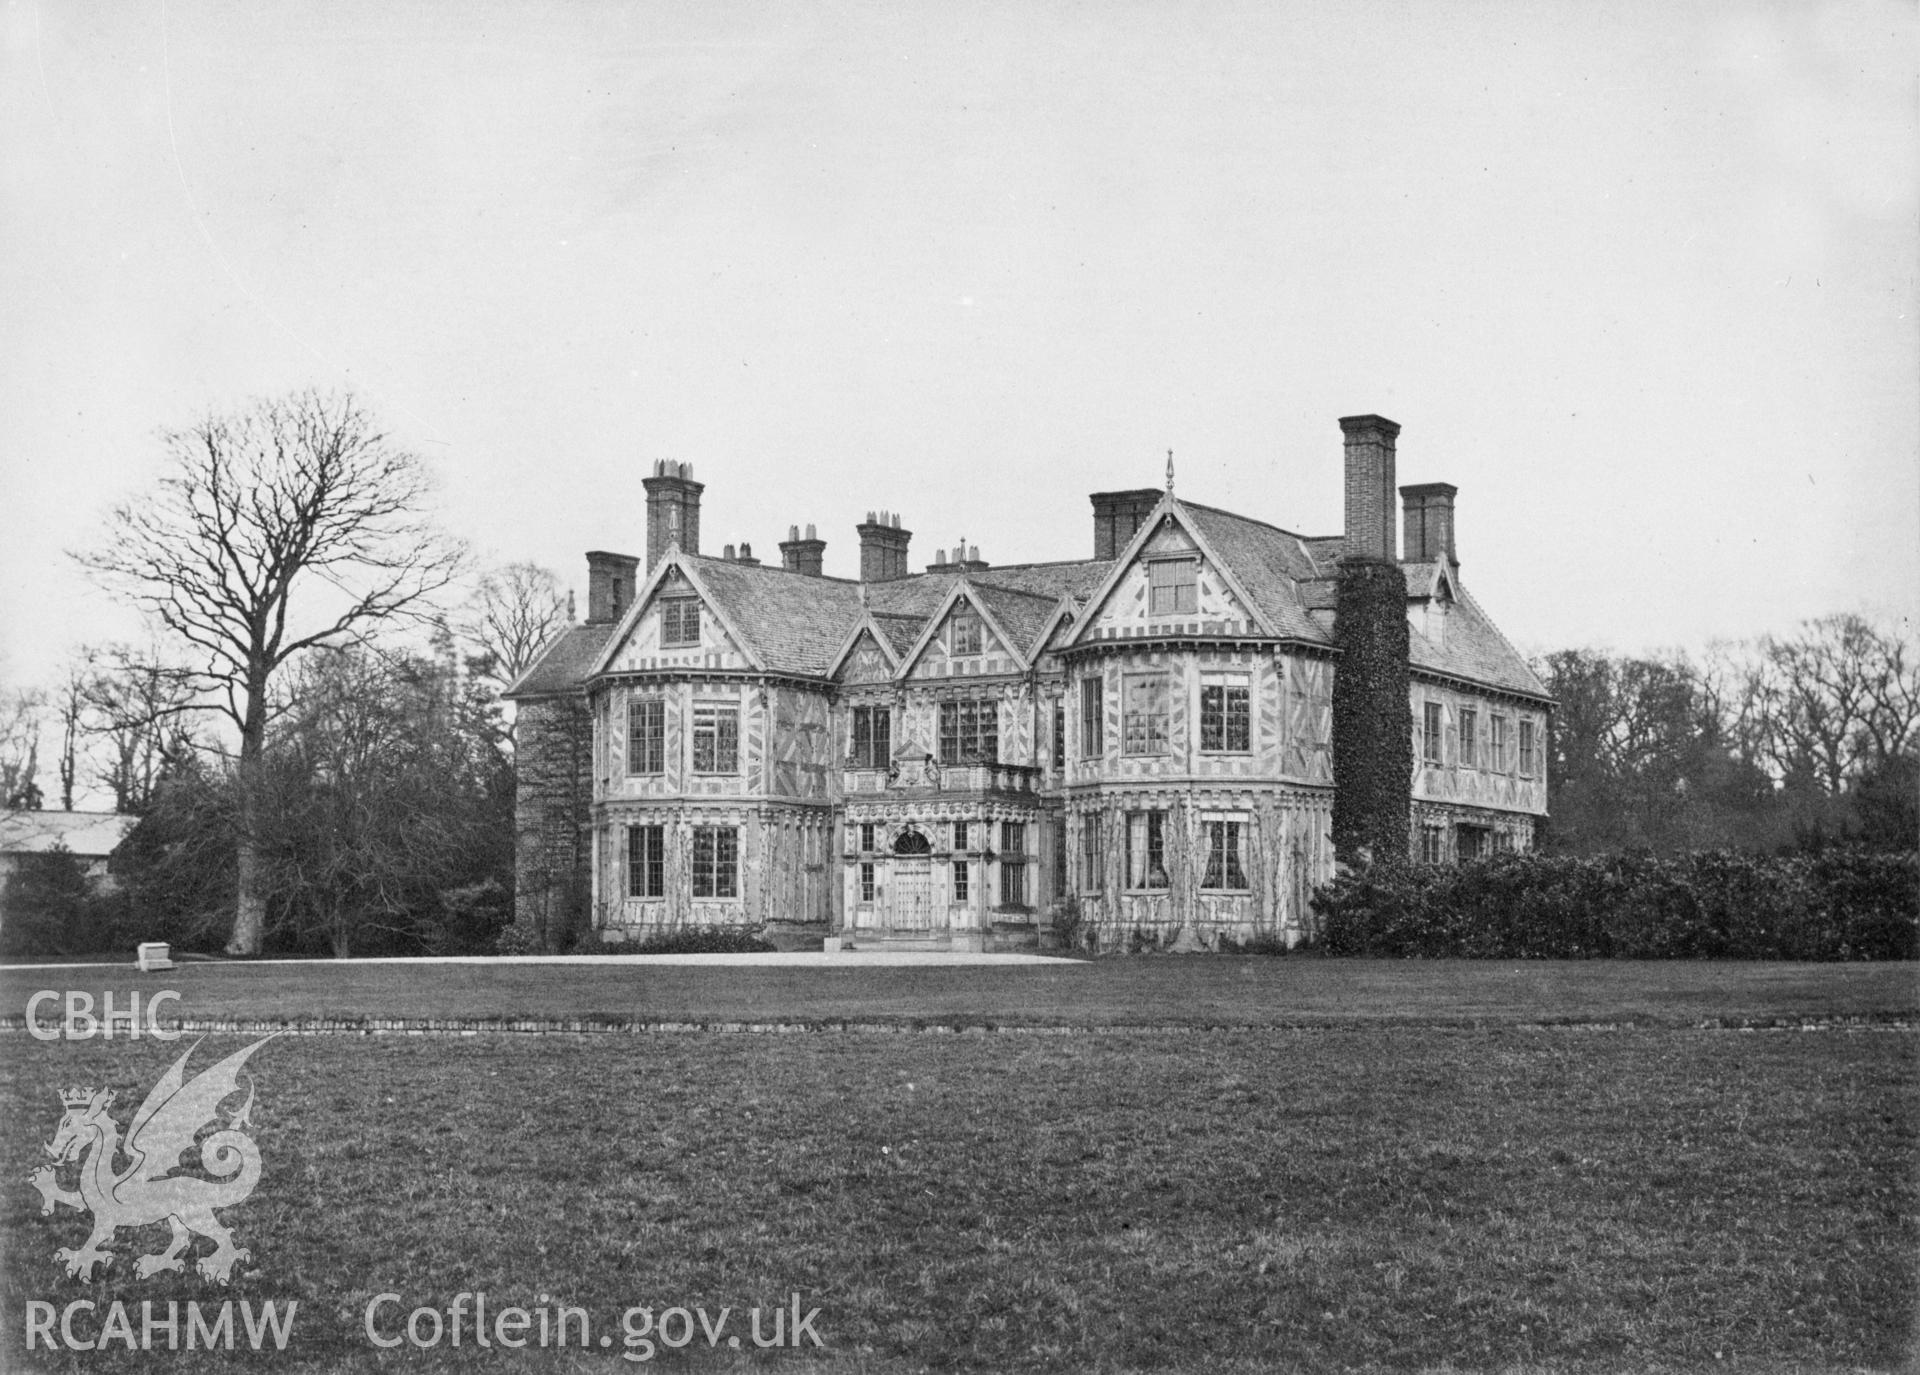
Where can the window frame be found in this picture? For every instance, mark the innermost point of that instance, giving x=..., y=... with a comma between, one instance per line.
x=646, y=871
x=1013, y=863
x=982, y=715
x=1468, y=719
x=1092, y=870
x=962, y=880
x=1093, y=716
x=1181, y=605
x=1151, y=854
x=867, y=882
x=1217, y=722
x=1224, y=841
x=875, y=750
x=1128, y=715
x=1433, y=734
x=653, y=735
x=707, y=725
x=716, y=862
x=1497, y=742
x=968, y=646
x=1529, y=748
x=675, y=613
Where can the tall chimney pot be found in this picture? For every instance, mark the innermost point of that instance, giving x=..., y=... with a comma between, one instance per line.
x=610, y=585
x=803, y=555
x=673, y=510
x=1369, y=486
x=1117, y=515
x=1428, y=526
x=883, y=548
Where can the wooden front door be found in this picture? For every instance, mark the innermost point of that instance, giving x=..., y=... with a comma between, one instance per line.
x=910, y=904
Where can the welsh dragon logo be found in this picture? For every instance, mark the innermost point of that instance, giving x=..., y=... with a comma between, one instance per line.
x=147, y=1191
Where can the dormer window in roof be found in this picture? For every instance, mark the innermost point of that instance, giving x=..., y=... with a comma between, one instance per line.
x=1173, y=587
x=679, y=621
x=963, y=634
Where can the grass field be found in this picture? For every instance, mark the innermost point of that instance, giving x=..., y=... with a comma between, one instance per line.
x=1384, y=1194
x=1167, y=991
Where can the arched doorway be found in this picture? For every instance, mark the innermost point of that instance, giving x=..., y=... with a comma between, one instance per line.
x=910, y=904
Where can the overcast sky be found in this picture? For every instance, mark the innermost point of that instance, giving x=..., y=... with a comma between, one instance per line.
x=1637, y=277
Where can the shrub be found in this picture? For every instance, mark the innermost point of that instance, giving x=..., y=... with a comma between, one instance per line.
x=515, y=939
x=1717, y=904
x=705, y=940
x=50, y=907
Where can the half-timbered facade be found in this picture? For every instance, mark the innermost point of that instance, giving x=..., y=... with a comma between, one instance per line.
x=1130, y=749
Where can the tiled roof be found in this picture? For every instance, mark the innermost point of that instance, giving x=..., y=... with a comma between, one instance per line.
x=1073, y=578
x=918, y=595
x=1268, y=561
x=796, y=623
x=87, y=835
x=901, y=631
x=1471, y=646
x=793, y=622
x=1021, y=614
x=563, y=665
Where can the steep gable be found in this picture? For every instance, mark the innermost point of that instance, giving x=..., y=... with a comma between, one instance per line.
x=1171, y=547
x=867, y=657
x=675, y=625
x=966, y=637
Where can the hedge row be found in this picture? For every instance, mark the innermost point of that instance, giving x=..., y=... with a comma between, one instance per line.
x=1717, y=904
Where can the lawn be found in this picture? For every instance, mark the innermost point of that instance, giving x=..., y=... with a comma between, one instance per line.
x=1373, y=1198
x=1152, y=991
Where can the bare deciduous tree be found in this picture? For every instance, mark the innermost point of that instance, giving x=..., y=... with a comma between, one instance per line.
x=135, y=709
x=515, y=610
x=1835, y=700
x=20, y=748
x=291, y=524
x=69, y=706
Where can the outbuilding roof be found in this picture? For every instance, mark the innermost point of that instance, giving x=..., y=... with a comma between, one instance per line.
x=87, y=835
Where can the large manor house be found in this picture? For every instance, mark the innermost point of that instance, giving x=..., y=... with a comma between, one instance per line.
x=1130, y=749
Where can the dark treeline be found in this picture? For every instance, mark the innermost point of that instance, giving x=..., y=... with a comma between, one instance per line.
x=384, y=822
x=1780, y=744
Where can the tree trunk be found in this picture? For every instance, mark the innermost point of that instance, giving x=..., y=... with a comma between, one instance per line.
x=250, y=905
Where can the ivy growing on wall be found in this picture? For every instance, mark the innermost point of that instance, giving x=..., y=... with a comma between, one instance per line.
x=1372, y=727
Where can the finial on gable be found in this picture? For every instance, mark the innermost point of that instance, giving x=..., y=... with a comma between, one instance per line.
x=1169, y=472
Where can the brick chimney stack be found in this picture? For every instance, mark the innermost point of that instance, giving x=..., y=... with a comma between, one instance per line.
x=1369, y=487
x=1428, y=527
x=803, y=555
x=673, y=510
x=610, y=585
x=883, y=547
x=1117, y=515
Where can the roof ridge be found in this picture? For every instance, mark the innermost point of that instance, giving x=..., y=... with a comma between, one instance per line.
x=1252, y=520
x=1010, y=591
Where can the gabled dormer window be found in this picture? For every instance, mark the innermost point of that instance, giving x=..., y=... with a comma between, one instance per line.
x=1173, y=587
x=680, y=621
x=964, y=633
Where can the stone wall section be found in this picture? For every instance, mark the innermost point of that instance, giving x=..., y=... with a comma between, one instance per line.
x=553, y=760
